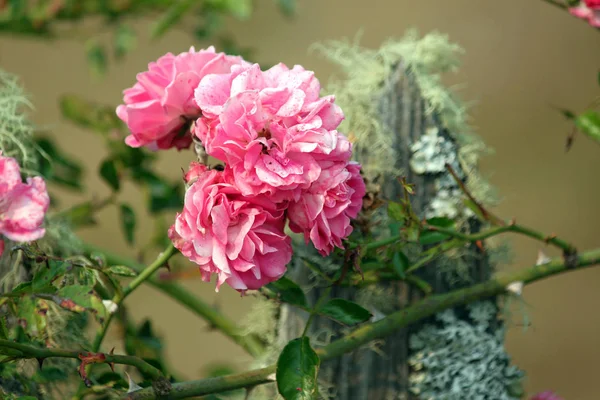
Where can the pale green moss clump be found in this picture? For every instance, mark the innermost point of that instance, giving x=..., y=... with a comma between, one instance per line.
x=426, y=59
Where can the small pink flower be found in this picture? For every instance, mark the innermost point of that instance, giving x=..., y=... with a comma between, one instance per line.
x=269, y=127
x=548, y=395
x=159, y=106
x=589, y=10
x=324, y=211
x=240, y=239
x=22, y=205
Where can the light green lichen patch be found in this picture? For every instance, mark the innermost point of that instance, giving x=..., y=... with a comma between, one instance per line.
x=457, y=358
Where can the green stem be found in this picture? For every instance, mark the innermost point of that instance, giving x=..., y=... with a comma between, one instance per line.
x=384, y=327
x=250, y=343
x=145, y=274
x=316, y=308
x=27, y=351
x=511, y=227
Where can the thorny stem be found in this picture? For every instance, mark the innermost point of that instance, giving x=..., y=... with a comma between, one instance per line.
x=118, y=299
x=250, y=343
x=21, y=350
x=510, y=227
x=384, y=327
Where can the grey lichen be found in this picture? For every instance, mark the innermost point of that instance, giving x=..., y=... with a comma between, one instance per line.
x=16, y=132
x=455, y=358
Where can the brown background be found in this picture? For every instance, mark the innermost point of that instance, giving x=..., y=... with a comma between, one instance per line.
x=521, y=58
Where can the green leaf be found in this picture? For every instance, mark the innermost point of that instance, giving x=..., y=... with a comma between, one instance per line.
x=396, y=211
x=241, y=9
x=31, y=315
x=287, y=7
x=297, y=369
x=431, y=237
x=90, y=115
x=589, y=124
x=43, y=278
x=442, y=222
x=171, y=17
x=213, y=371
x=412, y=231
x=108, y=171
x=49, y=374
x=80, y=215
x=122, y=270
x=3, y=327
x=162, y=195
x=75, y=298
x=289, y=292
x=128, y=222
x=470, y=204
x=345, y=311
x=125, y=41
x=211, y=22
x=58, y=168
x=143, y=343
x=567, y=113
x=96, y=56
x=98, y=258
x=400, y=263
x=22, y=288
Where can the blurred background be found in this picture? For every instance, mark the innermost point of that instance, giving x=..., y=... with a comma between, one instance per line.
x=521, y=59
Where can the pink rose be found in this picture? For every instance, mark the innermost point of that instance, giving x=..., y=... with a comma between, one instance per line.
x=160, y=106
x=269, y=127
x=240, y=239
x=589, y=10
x=548, y=395
x=324, y=211
x=22, y=205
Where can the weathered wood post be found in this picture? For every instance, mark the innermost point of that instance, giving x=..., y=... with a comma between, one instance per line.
x=405, y=123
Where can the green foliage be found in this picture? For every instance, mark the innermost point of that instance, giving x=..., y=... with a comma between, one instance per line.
x=344, y=311
x=40, y=18
x=288, y=7
x=128, y=222
x=57, y=167
x=171, y=17
x=108, y=171
x=288, y=291
x=97, y=57
x=297, y=369
x=123, y=161
x=143, y=342
x=589, y=124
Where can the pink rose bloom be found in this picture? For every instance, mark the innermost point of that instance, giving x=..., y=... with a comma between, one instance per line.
x=269, y=127
x=589, y=10
x=22, y=205
x=160, y=106
x=548, y=395
x=239, y=239
x=324, y=211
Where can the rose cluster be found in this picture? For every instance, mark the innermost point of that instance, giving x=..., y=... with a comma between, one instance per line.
x=588, y=10
x=284, y=162
x=22, y=205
